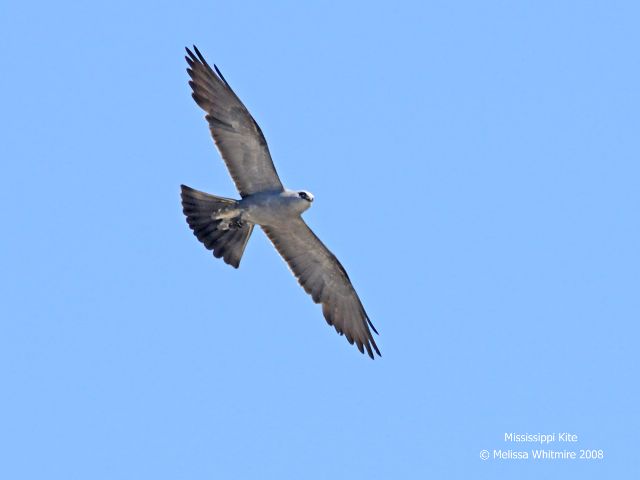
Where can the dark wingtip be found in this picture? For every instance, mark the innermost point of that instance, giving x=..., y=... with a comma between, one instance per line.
x=197, y=57
x=190, y=57
x=200, y=56
x=221, y=76
x=371, y=324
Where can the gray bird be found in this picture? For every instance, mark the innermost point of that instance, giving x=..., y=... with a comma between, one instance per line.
x=224, y=225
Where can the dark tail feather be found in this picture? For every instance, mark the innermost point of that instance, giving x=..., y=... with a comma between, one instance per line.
x=227, y=243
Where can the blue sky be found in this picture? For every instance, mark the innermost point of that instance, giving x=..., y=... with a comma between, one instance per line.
x=487, y=153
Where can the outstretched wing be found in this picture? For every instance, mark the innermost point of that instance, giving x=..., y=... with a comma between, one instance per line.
x=237, y=135
x=325, y=279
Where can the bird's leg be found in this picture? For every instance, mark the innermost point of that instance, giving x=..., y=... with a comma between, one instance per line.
x=231, y=224
x=229, y=217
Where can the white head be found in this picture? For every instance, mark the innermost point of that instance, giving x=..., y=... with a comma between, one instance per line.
x=301, y=199
x=308, y=196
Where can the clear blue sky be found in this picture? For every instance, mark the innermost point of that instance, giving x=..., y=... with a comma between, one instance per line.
x=489, y=155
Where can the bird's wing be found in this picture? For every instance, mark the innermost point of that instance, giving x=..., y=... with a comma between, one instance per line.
x=237, y=135
x=325, y=279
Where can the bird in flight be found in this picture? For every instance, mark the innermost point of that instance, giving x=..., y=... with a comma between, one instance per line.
x=224, y=225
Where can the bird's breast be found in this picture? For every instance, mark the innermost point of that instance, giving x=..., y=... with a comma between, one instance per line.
x=267, y=211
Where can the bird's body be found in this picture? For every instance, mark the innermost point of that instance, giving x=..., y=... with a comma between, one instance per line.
x=224, y=225
x=273, y=208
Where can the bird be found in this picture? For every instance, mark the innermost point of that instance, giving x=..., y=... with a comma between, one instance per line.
x=224, y=225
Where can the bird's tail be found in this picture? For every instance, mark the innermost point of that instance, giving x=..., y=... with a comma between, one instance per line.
x=216, y=222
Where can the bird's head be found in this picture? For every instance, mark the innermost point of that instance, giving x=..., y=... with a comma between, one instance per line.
x=302, y=200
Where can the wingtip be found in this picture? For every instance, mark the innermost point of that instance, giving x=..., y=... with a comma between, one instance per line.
x=370, y=323
x=191, y=57
x=221, y=76
x=372, y=355
x=194, y=57
x=372, y=342
x=372, y=327
x=200, y=56
x=197, y=57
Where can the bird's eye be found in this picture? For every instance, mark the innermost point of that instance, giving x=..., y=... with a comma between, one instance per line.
x=303, y=195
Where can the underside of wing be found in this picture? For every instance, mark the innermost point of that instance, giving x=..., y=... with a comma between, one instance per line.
x=237, y=135
x=323, y=277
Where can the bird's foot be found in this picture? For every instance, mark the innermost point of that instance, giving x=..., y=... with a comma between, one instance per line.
x=230, y=224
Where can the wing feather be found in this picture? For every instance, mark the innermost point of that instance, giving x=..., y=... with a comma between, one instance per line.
x=236, y=134
x=323, y=277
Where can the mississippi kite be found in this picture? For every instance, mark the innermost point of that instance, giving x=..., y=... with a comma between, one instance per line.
x=224, y=225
